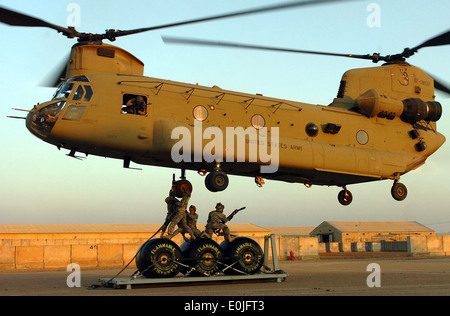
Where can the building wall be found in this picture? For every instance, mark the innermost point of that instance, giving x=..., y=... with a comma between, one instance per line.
x=378, y=236
x=107, y=249
x=354, y=232
x=326, y=233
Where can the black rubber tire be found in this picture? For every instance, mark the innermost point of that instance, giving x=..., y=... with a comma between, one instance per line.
x=182, y=186
x=202, y=253
x=216, y=181
x=244, y=254
x=159, y=258
x=399, y=191
x=207, y=183
x=345, y=197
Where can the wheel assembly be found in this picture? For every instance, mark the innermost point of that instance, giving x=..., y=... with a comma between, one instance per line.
x=216, y=181
x=345, y=197
x=159, y=258
x=182, y=186
x=201, y=257
x=399, y=191
x=242, y=256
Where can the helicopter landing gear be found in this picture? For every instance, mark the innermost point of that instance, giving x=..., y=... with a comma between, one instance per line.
x=216, y=180
x=399, y=191
x=182, y=185
x=345, y=197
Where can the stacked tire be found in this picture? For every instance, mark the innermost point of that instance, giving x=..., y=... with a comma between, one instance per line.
x=162, y=258
x=242, y=255
x=159, y=258
x=203, y=255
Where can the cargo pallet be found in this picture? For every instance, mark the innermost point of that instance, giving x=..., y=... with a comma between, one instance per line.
x=275, y=274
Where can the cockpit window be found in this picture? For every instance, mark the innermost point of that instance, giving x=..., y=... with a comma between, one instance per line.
x=134, y=104
x=64, y=90
x=83, y=92
x=79, y=93
x=74, y=112
x=88, y=94
x=43, y=120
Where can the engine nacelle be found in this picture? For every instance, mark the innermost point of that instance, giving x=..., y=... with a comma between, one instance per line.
x=416, y=110
x=372, y=103
x=409, y=110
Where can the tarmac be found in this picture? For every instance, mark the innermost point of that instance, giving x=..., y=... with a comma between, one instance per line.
x=395, y=275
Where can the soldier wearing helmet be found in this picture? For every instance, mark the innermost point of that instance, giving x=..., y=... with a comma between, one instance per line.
x=216, y=223
x=179, y=218
x=191, y=220
x=136, y=105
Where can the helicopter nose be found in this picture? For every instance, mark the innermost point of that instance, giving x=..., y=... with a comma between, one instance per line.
x=35, y=124
x=40, y=120
x=29, y=118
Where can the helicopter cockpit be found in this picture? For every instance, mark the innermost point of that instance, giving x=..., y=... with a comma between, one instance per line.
x=73, y=92
x=65, y=89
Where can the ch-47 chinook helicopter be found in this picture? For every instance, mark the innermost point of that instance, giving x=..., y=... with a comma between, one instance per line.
x=381, y=125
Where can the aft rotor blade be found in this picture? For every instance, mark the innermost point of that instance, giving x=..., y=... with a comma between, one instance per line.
x=443, y=39
x=438, y=85
x=186, y=41
x=282, y=6
x=18, y=19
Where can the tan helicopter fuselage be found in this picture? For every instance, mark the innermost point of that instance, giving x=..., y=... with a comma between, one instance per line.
x=361, y=136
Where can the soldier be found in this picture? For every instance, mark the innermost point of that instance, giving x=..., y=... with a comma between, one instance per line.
x=136, y=105
x=171, y=209
x=216, y=222
x=191, y=220
x=179, y=218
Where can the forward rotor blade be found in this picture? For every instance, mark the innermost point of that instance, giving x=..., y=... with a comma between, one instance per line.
x=186, y=41
x=233, y=14
x=18, y=19
x=53, y=78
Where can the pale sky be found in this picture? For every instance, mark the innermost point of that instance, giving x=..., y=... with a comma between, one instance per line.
x=42, y=185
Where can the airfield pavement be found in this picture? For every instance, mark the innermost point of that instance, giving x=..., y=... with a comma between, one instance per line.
x=330, y=276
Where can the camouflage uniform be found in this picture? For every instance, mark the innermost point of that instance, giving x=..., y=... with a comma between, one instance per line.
x=216, y=222
x=191, y=220
x=179, y=219
x=136, y=106
x=171, y=210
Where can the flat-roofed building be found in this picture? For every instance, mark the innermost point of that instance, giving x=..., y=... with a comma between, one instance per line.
x=361, y=231
x=302, y=231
